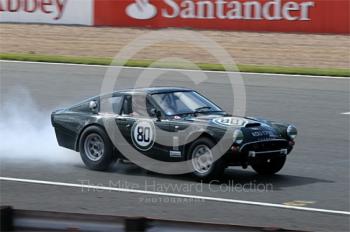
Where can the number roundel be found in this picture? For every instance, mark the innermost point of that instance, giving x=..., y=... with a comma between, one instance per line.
x=143, y=134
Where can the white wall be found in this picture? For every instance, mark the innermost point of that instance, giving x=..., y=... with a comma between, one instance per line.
x=47, y=11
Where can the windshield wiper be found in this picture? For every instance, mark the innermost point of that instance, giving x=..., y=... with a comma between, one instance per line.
x=199, y=110
x=202, y=108
x=194, y=113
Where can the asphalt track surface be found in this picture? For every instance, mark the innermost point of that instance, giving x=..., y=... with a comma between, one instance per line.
x=316, y=174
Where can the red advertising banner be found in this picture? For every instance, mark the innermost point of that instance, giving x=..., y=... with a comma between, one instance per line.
x=307, y=16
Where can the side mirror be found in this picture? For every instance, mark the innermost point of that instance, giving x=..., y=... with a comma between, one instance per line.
x=155, y=113
x=93, y=107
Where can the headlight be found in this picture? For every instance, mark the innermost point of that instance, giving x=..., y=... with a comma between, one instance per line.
x=292, y=132
x=238, y=136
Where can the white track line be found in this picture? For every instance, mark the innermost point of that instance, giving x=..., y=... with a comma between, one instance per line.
x=172, y=69
x=346, y=113
x=225, y=200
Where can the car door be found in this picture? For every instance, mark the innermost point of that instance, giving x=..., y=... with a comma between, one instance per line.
x=166, y=141
x=142, y=130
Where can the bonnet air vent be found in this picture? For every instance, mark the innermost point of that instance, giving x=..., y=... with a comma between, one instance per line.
x=256, y=124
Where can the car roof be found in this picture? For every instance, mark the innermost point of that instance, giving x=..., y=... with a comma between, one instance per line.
x=154, y=90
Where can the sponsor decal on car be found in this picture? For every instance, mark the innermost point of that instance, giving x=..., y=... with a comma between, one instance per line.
x=263, y=133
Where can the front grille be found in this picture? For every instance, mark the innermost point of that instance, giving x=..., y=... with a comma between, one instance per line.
x=271, y=145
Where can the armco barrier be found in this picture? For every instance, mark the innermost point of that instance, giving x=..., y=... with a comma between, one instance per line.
x=29, y=220
x=307, y=16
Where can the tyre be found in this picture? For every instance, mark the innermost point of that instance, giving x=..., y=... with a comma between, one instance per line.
x=96, y=149
x=202, y=160
x=268, y=166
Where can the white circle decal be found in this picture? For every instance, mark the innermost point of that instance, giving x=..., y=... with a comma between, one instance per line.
x=230, y=121
x=143, y=135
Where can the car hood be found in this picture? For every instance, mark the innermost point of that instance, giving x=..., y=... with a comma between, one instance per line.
x=252, y=128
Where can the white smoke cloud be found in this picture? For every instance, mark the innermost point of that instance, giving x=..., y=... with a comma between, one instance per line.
x=26, y=133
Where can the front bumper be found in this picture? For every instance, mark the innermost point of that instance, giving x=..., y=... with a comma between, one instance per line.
x=253, y=154
x=239, y=155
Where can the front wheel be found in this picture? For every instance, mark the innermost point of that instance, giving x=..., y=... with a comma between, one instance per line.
x=268, y=166
x=96, y=149
x=202, y=160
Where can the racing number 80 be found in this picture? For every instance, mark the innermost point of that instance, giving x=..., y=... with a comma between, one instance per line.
x=143, y=134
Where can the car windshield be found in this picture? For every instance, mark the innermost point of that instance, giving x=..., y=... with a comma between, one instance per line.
x=184, y=102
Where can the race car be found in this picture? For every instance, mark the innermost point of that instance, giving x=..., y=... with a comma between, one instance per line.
x=171, y=125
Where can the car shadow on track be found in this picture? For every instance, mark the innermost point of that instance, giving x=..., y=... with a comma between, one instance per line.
x=231, y=176
x=278, y=181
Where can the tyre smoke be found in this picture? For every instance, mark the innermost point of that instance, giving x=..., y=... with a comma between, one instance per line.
x=26, y=133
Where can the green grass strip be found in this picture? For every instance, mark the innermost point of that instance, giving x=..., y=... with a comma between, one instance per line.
x=337, y=72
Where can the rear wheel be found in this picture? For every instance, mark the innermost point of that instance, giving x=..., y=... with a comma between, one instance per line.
x=202, y=160
x=268, y=166
x=96, y=149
